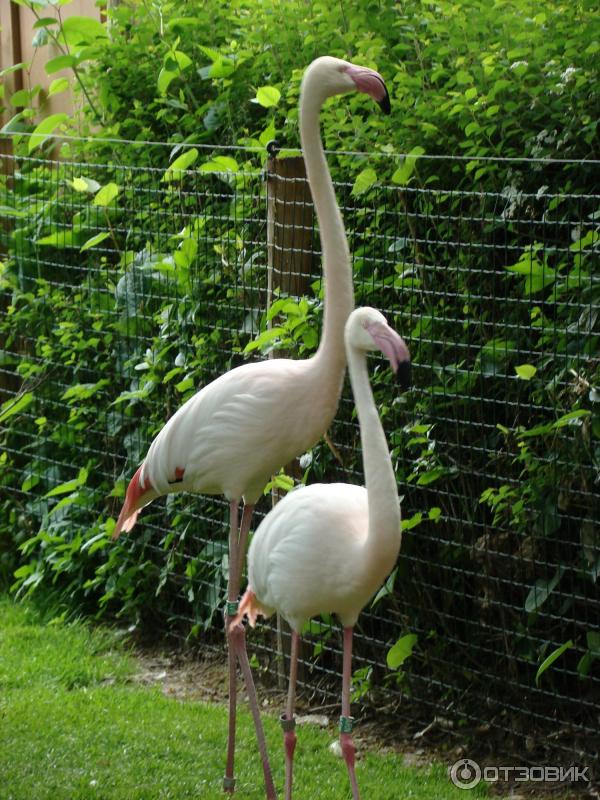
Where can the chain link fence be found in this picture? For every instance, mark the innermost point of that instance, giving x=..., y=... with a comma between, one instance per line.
x=125, y=288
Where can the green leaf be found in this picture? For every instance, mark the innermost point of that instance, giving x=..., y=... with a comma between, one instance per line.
x=364, y=181
x=20, y=98
x=408, y=524
x=220, y=164
x=405, y=171
x=221, y=68
x=9, y=211
x=386, y=589
x=526, y=371
x=541, y=591
x=43, y=22
x=267, y=96
x=165, y=76
x=45, y=129
x=399, y=652
x=183, y=22
x=547, y=662
x=185, y=385
x=176, y=170
x=263, y=339
x=15, y=124
x=84, y=185
x=60, y=62
x=593, y=642
x=463, y=77
x=570, y=417
x=83, y=391
x=58, y=85
x=106, y=194
x=431, y=475
x=78, y=31
x=15, y=406
x=69, y=486
x=60, y=239
x=182, y=60
x=99, y=237
x=562, y=422
x=30, y=482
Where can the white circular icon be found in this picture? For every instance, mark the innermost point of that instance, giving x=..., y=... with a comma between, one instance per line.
x=465, y=773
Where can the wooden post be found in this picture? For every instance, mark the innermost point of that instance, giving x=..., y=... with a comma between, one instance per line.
x=289, y=227
x=10, y=54
x=289, y=250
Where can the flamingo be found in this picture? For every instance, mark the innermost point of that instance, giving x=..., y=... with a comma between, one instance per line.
x=236, y=432
x=327, y=548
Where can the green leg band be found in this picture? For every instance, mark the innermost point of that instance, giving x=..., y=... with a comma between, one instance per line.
x=228, y=784
x=287, y=724
x=346, y=724
x=231, y=608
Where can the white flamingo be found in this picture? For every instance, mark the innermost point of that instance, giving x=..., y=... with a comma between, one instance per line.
x=327, y=548
x=235, y=433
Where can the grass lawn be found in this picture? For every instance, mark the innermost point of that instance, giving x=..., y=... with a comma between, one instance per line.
x=73, y=726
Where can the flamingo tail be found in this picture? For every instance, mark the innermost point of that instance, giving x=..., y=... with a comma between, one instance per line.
x=132, y=505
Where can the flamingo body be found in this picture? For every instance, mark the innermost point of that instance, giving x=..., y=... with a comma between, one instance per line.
x=295, y=563
x=227, y=438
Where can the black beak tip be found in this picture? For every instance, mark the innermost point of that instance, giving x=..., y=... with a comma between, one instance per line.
x=384, y=103
x=403, y=375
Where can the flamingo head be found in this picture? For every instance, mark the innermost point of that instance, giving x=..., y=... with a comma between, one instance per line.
x=328, y=76
x=139, y=493
x=367, y=329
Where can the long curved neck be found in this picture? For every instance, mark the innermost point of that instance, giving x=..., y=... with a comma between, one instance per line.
x=384, y=537
x=339, y=295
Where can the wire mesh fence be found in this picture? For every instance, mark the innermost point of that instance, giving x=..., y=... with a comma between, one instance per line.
x=125, y=289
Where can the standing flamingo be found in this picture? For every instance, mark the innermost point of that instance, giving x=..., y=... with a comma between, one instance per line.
x=232, y=435
x=327, y=548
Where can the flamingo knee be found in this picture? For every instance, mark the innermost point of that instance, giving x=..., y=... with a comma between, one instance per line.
x=288, y=726
x=348, y=748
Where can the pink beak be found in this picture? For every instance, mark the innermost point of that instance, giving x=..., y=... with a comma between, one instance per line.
x=394, y=348
x=371, y=83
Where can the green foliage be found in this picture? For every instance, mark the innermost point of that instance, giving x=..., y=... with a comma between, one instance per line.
x=139, y=303
x=187, y=71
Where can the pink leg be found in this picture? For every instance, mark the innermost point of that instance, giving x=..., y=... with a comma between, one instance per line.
x=288, y=723
x=232, y=595
x=238, y=641
x=242, y=544
x=346, y=720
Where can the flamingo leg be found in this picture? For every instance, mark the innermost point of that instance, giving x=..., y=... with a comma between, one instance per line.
x=288, y=722
x=242, y=544
x=232, y=595
x=346, y=720
x=238, y=640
